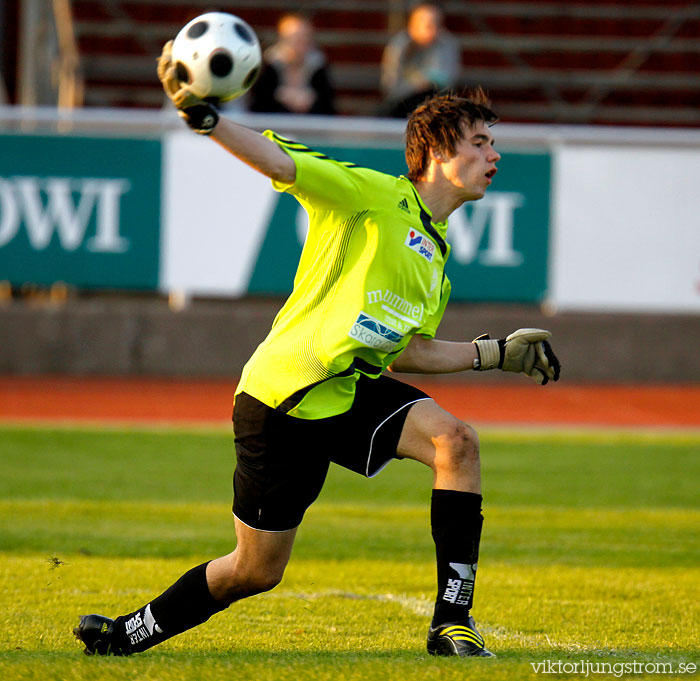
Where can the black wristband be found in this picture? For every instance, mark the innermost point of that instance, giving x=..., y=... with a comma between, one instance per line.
x=202, y=118
x=501, y=352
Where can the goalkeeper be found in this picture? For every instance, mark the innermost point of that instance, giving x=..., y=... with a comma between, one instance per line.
x=368, y=296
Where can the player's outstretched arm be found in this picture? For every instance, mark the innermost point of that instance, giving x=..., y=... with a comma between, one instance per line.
x=526, y=351
x=257, y=151
x=247, y=145
x=430, y=356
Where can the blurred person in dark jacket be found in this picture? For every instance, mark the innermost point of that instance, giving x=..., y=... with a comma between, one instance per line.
x=295, y=75
x=418, y=62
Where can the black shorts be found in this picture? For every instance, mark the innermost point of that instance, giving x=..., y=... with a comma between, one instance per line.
x=282, y=461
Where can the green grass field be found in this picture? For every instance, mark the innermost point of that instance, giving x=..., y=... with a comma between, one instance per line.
x=590, y=555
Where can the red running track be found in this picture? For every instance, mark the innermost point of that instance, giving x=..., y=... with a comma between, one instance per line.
x=148, y=400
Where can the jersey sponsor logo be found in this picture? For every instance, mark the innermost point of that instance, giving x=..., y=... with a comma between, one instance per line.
x=397, y=306
x=420, y=244
x=372, y=333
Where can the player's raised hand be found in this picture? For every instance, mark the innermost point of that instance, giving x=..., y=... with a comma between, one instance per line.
x=524, y=351
x=197, y=113
x=178, y=93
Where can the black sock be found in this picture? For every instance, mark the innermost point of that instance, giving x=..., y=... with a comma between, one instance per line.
x=456, y=524
x=184, y=605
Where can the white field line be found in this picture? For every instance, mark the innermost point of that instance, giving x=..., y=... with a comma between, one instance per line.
x=423, y=607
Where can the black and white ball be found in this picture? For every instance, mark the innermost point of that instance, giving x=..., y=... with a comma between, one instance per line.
x=218, y=55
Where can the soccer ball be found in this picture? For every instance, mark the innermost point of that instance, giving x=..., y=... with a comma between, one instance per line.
x=217, y=55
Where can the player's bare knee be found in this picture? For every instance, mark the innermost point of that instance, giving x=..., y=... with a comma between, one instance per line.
x=457, y=448
x=249, y=579
x=244, y=586
x=267, y=577
x=266, y=582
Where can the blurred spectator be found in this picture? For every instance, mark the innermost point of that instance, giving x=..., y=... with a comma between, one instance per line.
x=295, y=76
x=418, y=62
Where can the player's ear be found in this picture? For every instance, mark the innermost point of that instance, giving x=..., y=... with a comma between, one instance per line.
x=437, y=156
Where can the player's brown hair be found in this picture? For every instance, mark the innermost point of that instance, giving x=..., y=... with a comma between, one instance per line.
x=439, y=124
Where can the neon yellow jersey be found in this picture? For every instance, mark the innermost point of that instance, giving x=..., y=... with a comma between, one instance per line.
x=371, y=275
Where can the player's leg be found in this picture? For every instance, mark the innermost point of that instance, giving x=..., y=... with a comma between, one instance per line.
x=447, y=445
x=450, y=448
x=272, y=490
x=392, y=419
x=256, y=565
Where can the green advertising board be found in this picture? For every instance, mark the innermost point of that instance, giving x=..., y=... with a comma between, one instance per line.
x=500, y=244
x=80, y=210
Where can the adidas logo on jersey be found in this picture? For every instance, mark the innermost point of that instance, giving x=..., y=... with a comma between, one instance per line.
x=403, y=205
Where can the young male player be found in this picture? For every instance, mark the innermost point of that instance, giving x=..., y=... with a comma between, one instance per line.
x=368, y=296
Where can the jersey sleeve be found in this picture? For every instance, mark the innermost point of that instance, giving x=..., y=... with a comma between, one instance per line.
x=324, y=182
x=429, y=329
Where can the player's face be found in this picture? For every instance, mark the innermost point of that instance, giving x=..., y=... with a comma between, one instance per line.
x=473, y=165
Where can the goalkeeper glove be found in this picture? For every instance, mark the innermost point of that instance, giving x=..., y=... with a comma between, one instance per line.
x=524, y=351
x=199, y=114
